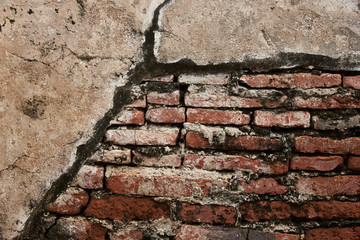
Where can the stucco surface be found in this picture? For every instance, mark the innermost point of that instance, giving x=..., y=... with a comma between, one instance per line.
x=60, y=64
x=223, y=31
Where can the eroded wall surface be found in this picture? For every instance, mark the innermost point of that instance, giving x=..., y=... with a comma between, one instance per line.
x=61, y=62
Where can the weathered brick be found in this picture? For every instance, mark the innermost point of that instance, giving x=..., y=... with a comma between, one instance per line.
x=259, y=235
x=329, y=186
x=187, y=232
x=70, y=202
x=138, y=103
x=207, y=100
x=117, y=156
x=286, y=119
x=162, y=182
x=206, y=213
x=298, y=80
x=129, y=234
x=76, y=228
x=342, y=123
x=338, y=233
x=221, y=79
x=196, y=140
x=89, y=177
x=352, y=81
x=287, y=236
x=167, y=79
x=171, y=160
x=308, y=144
x=278, y=210
x=316, y=163
x=127, y=117
x=208, y=116
x=327, y=102
x=166, y=136
x=228, y=162
x=166, y=115
x=262, y=186
x=354, y=163
x=126, y=208
x=171, y=98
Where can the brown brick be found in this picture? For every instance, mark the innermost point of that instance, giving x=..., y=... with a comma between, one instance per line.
x=329, y=186
x=171, y=98
x=327, y=145
x=229, y=162
x=171, y=160
x=187, y=232
x=196, y=140
x=262, y=186
x=89, y=177
x=208, y=116
x=316, y=163
x=354, y=163
x=286, y=119
x=126, y=208
x=206, y=213
x=327, y=102
x=206, y=100
x=150, y=137
x=70, y=202
x=299, y=80
x=317, y=210
x=352, y=81
x=338, y=233
x=161, y=182
x=166, y=115
x=76, y=228
x=221, y=79
x=127, y=117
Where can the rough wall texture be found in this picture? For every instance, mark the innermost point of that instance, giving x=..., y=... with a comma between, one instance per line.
x=246, y=156
x=67, y=68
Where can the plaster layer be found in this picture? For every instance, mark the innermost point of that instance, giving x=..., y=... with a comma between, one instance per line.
x=285, y=32
x=61, y=62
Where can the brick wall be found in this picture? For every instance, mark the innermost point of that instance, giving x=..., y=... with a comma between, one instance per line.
x=223, y=156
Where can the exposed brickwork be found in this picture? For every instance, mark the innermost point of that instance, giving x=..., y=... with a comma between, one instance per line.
x=223, y=156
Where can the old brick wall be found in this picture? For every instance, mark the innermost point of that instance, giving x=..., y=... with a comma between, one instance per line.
x=231, y=155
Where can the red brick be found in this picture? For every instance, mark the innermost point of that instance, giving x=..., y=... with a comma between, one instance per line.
x=187, y=232
x=206, y=214
x=129, y=234
x=259, y=235
x=286, y=236
x=329, y=186
x=228, y=162
x=89, y=177
x=70, y=202
x=308, y=144
x=156, y=161
x=126, y=208
x=161, y=182
x=354, y=163
x=138, y=103
x=327, y=102
x=316, y=163
x=278, y=210
x=208, y=116
x=76, y=228
x=263, y=186
x=128, y=117
x=149, y=137
x=299, y=80
x=172, y=98
x=334, y=233
x=196, y=140
x=166, y=115
x=206, y=100
x=221, y=79
x=286, y=119
x=352, y=81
